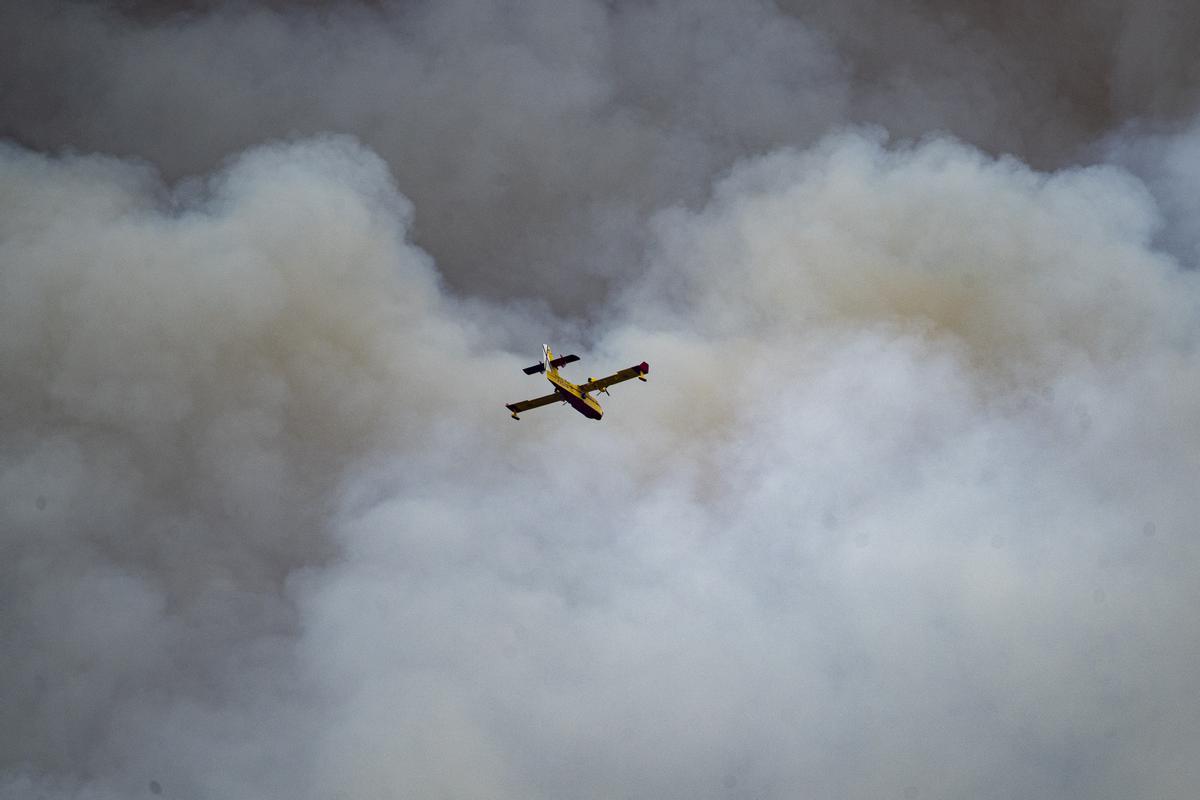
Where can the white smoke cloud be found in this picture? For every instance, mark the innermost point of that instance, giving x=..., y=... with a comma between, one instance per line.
x=187, y=372
x=905, y=510
x=536, y=138
x=1169, y=162
x=848, y=542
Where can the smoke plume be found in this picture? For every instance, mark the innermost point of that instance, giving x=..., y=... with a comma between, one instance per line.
x=907, y=508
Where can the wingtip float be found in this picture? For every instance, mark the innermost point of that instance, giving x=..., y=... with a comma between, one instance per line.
x=576, y=395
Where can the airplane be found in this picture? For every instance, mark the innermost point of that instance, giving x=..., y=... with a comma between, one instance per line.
x=567, y=392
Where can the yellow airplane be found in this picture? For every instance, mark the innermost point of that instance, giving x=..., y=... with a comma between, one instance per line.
x=567, y=392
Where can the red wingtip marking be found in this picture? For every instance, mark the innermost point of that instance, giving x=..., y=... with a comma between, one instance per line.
x=644, y=367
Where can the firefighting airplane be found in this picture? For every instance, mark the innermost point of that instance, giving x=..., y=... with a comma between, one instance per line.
x=567, y=392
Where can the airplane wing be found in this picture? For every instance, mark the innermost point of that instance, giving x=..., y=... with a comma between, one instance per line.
x=600, y=384
x=537, y=402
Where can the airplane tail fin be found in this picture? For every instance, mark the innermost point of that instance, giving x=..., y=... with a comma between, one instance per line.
x=549, y=363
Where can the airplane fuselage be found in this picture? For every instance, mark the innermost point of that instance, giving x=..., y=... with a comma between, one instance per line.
x=580, y=401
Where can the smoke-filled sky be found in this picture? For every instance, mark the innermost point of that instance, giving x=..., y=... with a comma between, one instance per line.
x=908, y=508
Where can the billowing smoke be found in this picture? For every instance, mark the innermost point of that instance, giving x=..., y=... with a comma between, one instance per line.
x=907, y=508
x=535, y=137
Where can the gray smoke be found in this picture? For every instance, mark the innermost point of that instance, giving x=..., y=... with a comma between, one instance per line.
x=907, y=508
x=536, y=137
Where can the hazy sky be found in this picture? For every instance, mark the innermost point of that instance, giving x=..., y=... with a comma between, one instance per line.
x=907, y=509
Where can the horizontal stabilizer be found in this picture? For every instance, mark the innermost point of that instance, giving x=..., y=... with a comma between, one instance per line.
x=536, y=368
x=558, y=362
